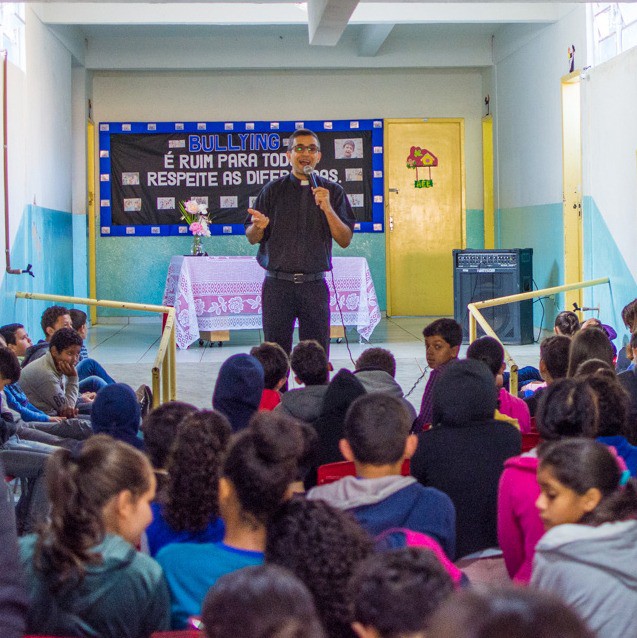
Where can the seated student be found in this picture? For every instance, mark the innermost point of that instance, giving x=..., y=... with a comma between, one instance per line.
x=322, y=546
x=276, y=367
x=463, y=455
x=307, y=462
x=16, y=338
x=377, y=440
x=587, y=556
x=311, y=368
x=50, y=382
x=628, y=379
x=629, y=317
x=513, y=612
x=159, y=428
x=385, y=587
x=83, y=573
x=566, y=324
x=53, y=318
x=376, y=370
x=238, y=389
x=59, y=432
x=341, y=392
x=257, y=471
x=443, y=339
x=554, y=353
x=92, y=376
x=614, y=407
x=567, y=409
x=80, y=325
x=187, y=509
x=490, y=351
x=117, y=412
x=264, y=601
x=591, y=343
x=13, y=595
x=631, y=351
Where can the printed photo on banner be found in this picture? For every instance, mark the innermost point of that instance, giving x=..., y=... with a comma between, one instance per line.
x=350, y=148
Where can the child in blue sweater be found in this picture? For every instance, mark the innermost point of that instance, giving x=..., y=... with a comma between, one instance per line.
x=377, y=440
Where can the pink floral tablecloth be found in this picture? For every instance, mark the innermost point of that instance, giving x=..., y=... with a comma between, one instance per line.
x=224, y=293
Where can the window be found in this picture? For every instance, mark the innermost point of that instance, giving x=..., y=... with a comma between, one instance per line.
x=12, y=31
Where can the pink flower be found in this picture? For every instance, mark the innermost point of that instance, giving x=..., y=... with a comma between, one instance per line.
x=191, y=207
x=196, y=228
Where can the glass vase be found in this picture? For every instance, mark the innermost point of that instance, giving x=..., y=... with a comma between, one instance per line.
x=197, y=249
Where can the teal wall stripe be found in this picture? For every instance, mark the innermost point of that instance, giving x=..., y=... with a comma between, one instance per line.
x=45, y=240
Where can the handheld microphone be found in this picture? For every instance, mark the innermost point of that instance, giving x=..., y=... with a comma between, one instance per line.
x=311, y=175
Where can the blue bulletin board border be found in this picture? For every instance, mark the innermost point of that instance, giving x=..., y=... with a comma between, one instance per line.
x=106, y=129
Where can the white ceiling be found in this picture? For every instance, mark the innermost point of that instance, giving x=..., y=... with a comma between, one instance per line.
x=123, y=35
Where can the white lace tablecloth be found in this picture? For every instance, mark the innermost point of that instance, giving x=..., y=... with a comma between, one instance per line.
x=224, y=293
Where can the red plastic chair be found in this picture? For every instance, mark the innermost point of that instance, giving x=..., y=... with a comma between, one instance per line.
x=331, y=472
x=529, y=441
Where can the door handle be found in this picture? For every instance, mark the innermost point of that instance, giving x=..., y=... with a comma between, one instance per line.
x=393, y=190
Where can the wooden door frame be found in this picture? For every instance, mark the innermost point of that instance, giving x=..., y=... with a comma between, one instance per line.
x=572, y=184
x=425, y=120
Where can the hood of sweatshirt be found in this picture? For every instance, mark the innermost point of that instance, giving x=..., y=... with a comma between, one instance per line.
x=350, y=491
x=116, y=412
x=611, y=548
x=73, y=601
x=238, y=390
x=343, y=389
x=379, y=381
x=304, y=403
x=464, y=394
x=525, y=463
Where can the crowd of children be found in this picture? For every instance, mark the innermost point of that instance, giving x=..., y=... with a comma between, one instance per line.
x=133, y=521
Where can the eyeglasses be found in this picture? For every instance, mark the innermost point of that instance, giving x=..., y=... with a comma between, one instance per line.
x=312, y=150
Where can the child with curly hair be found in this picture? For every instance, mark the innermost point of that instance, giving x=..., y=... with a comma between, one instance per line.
x=322, y=546
x=187, y=510
x=257, y=471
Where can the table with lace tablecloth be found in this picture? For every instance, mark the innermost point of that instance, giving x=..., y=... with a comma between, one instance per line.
x=212, y=294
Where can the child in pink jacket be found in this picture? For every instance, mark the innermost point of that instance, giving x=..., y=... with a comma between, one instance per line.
x=567, y=409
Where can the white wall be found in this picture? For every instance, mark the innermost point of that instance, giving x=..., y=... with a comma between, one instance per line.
x=610, y=148
x=529, y=63
x=39, y=125
x=294, y=95
x=46, y=134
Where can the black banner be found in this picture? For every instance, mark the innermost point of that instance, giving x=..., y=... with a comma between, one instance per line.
x=150, y=173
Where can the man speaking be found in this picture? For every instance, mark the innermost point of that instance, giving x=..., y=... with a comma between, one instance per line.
x=294, y=220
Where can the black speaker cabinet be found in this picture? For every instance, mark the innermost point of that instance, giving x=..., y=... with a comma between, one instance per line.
x=485, y=274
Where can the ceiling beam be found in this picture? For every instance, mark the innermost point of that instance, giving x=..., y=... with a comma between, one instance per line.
x=327, y=19
x=372, y=38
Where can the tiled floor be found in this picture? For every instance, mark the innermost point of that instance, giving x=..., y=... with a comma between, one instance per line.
x=128, y=351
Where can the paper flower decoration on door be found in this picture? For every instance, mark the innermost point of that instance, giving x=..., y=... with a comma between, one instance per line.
x=422, y=158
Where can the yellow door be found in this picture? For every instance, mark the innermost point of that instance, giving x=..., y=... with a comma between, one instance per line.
x=425, y=211
x=572, y=185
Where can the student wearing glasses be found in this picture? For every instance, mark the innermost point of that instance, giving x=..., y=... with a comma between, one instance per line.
x=294, y=224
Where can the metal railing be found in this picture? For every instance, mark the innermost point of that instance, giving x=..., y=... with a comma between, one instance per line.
x=475, y=317
x=164, y=389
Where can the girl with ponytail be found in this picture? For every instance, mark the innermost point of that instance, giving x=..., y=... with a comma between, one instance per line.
x=256, y=477
x=84, y=575
x=589, y=552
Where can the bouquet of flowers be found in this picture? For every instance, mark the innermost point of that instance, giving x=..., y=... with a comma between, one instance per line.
x=198, y=220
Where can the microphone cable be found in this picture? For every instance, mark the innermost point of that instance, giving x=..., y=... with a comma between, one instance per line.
x=340, y=312
x=418, y=380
